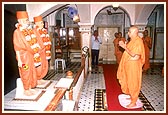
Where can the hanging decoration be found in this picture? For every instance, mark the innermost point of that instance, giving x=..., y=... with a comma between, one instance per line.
x=30, y=37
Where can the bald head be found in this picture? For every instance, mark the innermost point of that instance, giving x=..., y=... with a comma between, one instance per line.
x=134, y=29
x=133, y=32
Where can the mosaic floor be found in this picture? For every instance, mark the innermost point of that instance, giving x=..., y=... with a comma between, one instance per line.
x=154, y=87
x=100, y=103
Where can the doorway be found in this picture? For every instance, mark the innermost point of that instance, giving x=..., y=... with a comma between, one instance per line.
x=107, y=46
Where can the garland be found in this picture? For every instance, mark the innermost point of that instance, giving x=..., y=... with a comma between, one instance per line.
x=32, y=40
x=46, y=41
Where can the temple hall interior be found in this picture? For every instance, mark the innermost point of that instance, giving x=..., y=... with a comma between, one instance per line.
x=72, y=84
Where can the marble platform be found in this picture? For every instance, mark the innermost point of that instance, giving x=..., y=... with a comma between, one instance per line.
x=37, y=104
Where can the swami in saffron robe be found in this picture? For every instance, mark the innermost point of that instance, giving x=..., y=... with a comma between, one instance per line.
x=147, y=45
x=129, y=72
x=118, y=50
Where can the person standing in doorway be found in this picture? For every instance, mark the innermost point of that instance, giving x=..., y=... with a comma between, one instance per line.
x=148, y=45
x=129, y=72
x=95, y=47
x=118, y=49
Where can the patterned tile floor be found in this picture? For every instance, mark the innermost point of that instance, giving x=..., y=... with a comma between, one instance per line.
x=93, y=81
x=152, y=86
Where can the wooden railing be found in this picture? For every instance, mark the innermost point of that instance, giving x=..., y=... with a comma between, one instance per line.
x=75, y=88
x=79, y=71
x=55, y=101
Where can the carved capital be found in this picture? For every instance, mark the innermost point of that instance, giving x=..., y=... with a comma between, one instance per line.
x=85, y=27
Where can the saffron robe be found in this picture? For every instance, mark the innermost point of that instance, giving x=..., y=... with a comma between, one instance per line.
x=118, y=50
x=28, y=76
x=129, y=72
x=43, y=68
x=147, y=41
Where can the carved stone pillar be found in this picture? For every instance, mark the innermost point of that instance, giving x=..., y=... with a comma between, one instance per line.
x=52, y=51
x=85, y=30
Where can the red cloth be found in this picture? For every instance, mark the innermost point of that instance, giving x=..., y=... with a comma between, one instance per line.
x=147, y=44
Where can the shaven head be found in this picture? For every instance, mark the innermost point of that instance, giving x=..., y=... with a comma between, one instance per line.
x=133, y=32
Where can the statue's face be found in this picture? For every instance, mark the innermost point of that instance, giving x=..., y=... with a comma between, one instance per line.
x=40, y=24
x=24, y=22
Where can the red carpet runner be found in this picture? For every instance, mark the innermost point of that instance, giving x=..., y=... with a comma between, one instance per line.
x=113, y=89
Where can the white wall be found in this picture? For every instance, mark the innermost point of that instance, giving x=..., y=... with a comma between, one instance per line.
x=36, y=9
x=88, y=11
